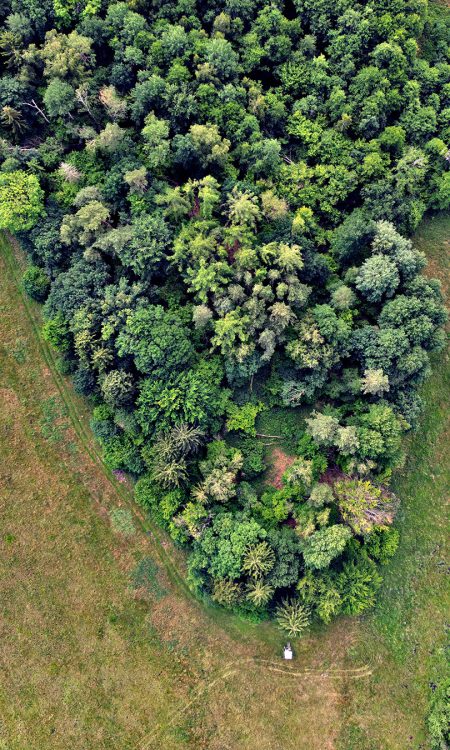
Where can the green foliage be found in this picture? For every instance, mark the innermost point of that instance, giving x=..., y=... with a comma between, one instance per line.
x=117, y=388
x=193, y=397
x=259, y=592
x=146, y=492
x=320, y=592
x=56, y=332
x=36, y=283
x=377, y=277
x=243, y=417
x=258, y=560
x=438, y=719
x=324, y=545
x=382, y=544
x=253, y=452
x=363, y=505
x=221, y=548
x=225, y=251
x=321, y=494
x=292, y=617
x=357, y=585
x=59, y=98
x=21, y=201
x=226, y=592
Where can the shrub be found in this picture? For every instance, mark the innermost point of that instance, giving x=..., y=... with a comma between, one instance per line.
x=357, y=585
x=147, y=493
x=36, y=283
x=382, y=544
x=438, y=720
x=292, y=617
x=258, y=559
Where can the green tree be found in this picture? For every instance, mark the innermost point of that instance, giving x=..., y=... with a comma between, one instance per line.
x=324, y=545
x=259, y=592
x=157, y=142
x=363, y=505
x=377, y=277
x=357, y=585
x=226, y=592
x=194, y=397
x=243, y=417
x=258, y=560
x=157, y=339
x=374, y=382
x=118, y=388
x=59, y=98
x=21, y=201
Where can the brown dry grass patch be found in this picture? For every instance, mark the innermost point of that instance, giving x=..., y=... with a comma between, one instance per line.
x=279, y=461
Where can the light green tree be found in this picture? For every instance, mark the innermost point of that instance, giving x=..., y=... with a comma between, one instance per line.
x=21, y=201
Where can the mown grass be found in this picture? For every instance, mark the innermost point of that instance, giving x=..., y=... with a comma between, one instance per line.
x=102, y=647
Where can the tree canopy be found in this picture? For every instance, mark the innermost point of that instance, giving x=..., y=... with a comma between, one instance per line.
x=217, y=200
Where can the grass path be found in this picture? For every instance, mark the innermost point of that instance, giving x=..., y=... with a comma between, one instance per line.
x=89, y=662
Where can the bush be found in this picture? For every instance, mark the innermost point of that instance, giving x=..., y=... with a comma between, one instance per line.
x=382, y=544
x=252, y=451
x=357, y=585
x=146, y=492
x=36, y=283
x=292, y=617
x=56, y=332
x=438, y=720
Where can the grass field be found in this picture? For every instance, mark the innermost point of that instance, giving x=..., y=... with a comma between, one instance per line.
x=103, y=647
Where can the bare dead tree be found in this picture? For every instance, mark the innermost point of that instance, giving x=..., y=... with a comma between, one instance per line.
x=33, y=105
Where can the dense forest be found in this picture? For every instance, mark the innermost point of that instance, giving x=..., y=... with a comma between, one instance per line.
x=216, y=198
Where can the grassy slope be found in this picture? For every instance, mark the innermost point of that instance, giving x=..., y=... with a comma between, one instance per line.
x=90, y=663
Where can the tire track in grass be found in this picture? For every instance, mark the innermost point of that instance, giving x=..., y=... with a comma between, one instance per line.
x=232, y=668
